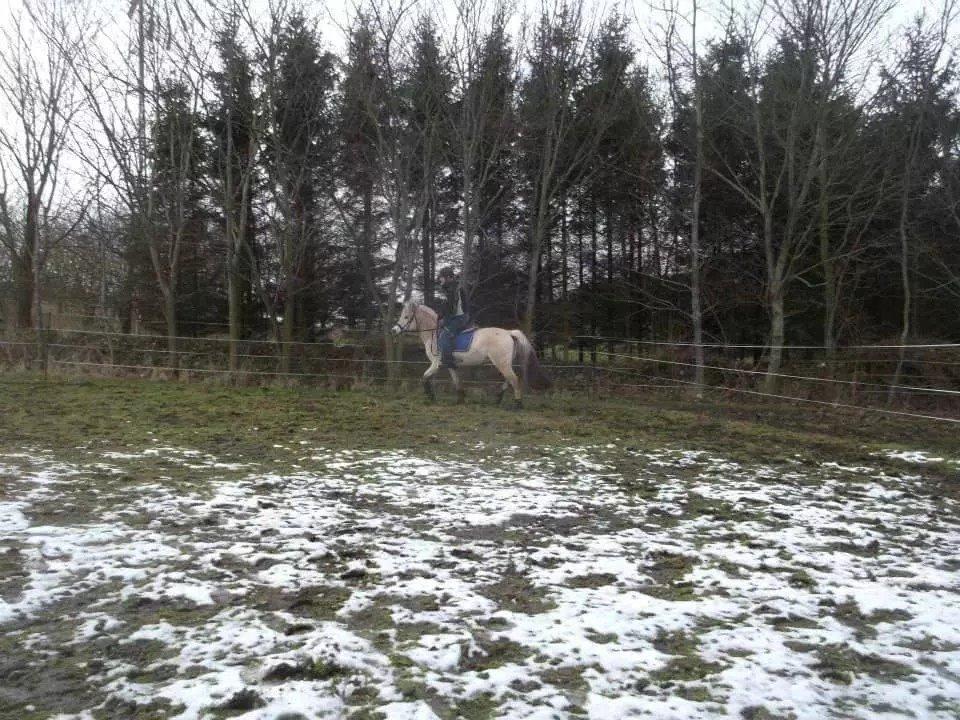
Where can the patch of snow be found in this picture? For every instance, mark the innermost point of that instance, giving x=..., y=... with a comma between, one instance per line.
x=548, y=586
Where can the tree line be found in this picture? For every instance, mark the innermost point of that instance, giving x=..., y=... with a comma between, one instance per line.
x=790, y=176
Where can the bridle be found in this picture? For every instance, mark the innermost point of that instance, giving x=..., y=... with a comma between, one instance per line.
x=413, y=317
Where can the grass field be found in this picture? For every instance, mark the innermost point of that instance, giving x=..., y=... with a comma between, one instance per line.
x=200, y=551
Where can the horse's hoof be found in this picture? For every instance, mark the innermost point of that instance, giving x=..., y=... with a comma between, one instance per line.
x=461, y=397
x=518, y=405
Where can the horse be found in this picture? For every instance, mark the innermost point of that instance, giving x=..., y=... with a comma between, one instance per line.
x=500, y=347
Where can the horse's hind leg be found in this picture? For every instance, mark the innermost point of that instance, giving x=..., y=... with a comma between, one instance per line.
x=461, y=396
x=517, y=394
x=505, y=366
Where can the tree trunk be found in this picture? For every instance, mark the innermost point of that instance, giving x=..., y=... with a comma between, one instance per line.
x=366, y=257
x=771, y=380
x=608, y=227
x=547, y=276
x=696, y=312
x=537, y=231
x=233, y=302
x=23, y=289
x=564, y=242
x=593, y=278
x=907, y=310
x=427, y=249
x=593, y=247
x=826, y=259
x=34, y=231
x=233, y=267
x=469, y=234
x=170, y=314
x=580, y=276
x=287, y=329
x=289, y=301
x=829, y=277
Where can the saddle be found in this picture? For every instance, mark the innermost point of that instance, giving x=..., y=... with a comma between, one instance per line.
x=463, y=339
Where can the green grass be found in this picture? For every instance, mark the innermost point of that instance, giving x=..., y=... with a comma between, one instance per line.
x=248, y=422
x=840, y=664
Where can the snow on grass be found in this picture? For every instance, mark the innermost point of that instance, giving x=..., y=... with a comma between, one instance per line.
x=917, y=457
x=688, y=586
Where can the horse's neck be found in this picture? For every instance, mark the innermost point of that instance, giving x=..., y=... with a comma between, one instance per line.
x=427, y=322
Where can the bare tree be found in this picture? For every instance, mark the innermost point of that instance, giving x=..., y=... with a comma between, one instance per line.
x=558, y=145
x=922, y=64
x=684, y=56
x=39, y=205
x=159, y=47
x=486, y=74
x=294, y=131
x=236, y=128
x=398, y=160
x=786, y=127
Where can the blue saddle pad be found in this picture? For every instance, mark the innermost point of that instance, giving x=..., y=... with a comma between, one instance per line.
x=463, y=341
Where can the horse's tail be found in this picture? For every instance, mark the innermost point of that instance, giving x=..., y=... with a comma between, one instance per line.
x=533, y=375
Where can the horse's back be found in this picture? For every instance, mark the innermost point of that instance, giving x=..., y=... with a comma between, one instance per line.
x=488, y=343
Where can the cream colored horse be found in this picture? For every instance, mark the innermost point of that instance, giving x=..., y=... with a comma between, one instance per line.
x=496, y=345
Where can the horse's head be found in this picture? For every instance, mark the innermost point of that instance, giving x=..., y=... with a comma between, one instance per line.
x=408, y=318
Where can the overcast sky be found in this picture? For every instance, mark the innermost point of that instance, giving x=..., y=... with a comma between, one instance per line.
x=334, y=15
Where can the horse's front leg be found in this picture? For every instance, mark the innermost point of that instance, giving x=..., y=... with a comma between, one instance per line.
x=427, y=382
x=461, y=395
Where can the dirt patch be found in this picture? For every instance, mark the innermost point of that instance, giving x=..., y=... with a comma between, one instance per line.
x=515, y=593
x=841, y=664
x=668, y=571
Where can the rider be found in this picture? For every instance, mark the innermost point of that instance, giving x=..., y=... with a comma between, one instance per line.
x=454, y=314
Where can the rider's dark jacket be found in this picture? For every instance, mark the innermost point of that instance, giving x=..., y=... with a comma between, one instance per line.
x=454, y=303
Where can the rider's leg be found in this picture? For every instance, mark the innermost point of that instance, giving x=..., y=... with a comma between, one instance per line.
x=451, y=326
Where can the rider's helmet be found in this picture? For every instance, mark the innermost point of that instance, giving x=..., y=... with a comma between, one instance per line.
x=445, y=275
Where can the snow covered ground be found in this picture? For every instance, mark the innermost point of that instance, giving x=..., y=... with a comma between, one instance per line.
x=392, y=585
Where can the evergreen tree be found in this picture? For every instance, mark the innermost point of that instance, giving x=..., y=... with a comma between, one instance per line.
x=300, y=154
x=361, y=112
x=429, y=89
x=234, y=126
